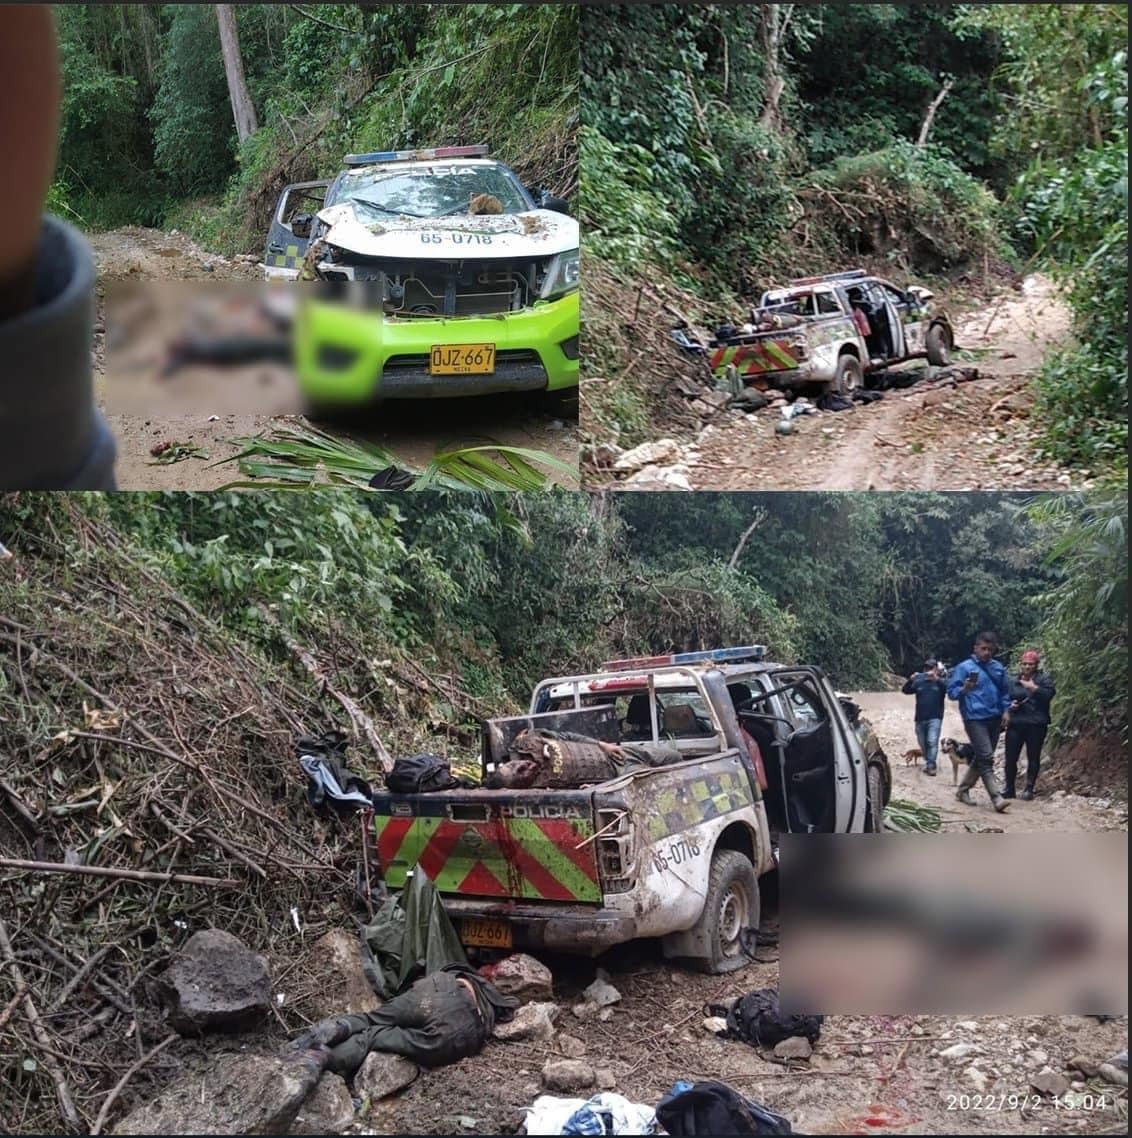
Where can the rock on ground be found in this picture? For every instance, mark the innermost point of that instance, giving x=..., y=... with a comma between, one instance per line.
x=532, y=1021
x=566, y=1075
x=647, y=454
x=1048, y=1082
x=343, y=987
x=796, y=1047
x=601, y=994
x=571, y=1046
x=215, y=983
x=384, y=1074
x=522, y=976
x=237, y=1094
x=327, y=1110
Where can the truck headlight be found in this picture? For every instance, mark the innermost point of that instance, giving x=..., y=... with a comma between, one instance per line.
x=562, y=275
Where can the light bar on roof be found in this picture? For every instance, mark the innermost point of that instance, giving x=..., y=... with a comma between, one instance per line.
x=744, y=653
x=415, y=155
x=851, y=275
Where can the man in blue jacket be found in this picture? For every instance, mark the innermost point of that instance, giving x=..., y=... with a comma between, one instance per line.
x=982, y=688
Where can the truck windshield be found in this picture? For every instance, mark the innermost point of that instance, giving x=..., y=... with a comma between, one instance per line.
x=428, y=192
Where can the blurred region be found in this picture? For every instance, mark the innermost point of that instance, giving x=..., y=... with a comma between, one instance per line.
x=176, y=348
x=954, y=924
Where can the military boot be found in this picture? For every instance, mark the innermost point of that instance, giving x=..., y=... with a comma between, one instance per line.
x=970, y=777
x=997, y=800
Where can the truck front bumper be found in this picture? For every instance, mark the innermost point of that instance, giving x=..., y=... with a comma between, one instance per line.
x=349, y=356
x=575, y=929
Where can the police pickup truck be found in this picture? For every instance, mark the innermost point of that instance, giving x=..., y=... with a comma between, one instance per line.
x=833, y=330
x=739, y=751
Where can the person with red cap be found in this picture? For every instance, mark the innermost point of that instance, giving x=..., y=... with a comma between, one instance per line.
x=1027, y=721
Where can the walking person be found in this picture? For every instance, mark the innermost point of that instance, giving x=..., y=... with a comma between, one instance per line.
x=1027, y=721
x=930, y=689
x=981, y=687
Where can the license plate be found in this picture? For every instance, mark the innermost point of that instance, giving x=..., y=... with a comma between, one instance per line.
x=486, y=934
x=462, y=359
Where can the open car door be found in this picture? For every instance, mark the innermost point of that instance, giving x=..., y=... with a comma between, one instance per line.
x=291, y=226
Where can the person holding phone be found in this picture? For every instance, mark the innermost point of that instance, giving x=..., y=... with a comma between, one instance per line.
x=1027, y=721
x=930, y=690
x=54, y=437
x=981, y=687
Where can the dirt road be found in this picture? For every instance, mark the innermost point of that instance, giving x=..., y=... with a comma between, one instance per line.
x=976, y=435
x=412, y=431
x=868, y=1074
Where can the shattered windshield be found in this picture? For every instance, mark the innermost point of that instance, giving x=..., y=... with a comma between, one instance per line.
x=433, y=191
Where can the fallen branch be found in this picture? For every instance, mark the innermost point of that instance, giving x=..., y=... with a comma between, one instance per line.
x=109, y=1102
x=78, y=978
x=10, y=1006
x=929, y=116
x=62, y=1090
x=363, y=724
x=125, y=874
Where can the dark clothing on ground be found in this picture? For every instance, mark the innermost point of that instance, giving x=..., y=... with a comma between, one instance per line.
x=434, y=1023
x=1030, y=736
x=929, y=694
x=1033, y=706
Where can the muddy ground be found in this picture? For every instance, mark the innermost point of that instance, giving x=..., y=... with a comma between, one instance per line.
x=976, y=435
x=878, y=1074
x=412, y=430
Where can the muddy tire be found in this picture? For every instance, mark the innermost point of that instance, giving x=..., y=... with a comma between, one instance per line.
x=939, y=344
x=874, y=803
x=848, y=377
x=732, y=904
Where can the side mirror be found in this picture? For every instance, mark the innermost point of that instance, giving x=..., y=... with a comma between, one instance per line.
x=301, y=224
x=549, y=201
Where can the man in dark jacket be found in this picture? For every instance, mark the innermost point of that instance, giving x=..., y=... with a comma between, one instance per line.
x=1027, y=721
x=930, y=690
x=982, y=688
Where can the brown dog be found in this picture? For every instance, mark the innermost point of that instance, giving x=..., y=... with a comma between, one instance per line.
x=913, y=757
x=958, y=753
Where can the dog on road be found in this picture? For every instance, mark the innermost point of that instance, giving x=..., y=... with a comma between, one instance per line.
x=913, y=757
x=958, y=753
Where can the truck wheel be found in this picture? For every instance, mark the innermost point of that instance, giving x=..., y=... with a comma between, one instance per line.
x=848, y=376
x=732, y=904
x=939, y=344
x=874, y=803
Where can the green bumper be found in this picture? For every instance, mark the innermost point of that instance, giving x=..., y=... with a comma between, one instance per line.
x=348, y=356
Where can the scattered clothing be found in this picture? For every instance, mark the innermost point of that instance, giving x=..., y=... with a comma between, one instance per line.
x=831, y=401
x=329, y=783
x=756, y=1019
x=711, y=1108
x=604, y=1113
x=862, y=395
x=422, y=774
x=410, y=936
x=392, y=478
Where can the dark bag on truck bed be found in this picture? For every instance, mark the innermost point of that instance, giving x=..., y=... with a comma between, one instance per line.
x=422, y=774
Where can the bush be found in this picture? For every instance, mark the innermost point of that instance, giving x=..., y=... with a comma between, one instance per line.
x=911, y=202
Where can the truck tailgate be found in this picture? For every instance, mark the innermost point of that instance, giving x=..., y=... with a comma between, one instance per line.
x=767, y=353
x=532, y=845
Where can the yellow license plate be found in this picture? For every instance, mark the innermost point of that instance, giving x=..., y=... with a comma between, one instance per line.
x=485, y=934
x=462, y=359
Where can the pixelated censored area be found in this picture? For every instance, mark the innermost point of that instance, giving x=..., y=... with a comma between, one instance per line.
x=954, y=924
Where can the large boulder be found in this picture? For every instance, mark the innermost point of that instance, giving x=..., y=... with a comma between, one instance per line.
x=343, y=987
x=215, y=983
x=235, y=1094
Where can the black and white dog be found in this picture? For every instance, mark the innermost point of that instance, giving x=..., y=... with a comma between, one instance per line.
x=958, y=753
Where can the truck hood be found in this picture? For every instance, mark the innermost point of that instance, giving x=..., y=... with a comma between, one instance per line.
x=536, y=233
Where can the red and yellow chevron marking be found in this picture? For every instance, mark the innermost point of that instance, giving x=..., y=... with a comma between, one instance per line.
x=539, y=859
x=751, y=359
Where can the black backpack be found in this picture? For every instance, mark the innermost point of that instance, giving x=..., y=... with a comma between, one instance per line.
x=756, y=1019
x=712, y=1108
x=422, y=774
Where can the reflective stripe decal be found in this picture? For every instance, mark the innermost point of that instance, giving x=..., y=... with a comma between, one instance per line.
x=538, y=858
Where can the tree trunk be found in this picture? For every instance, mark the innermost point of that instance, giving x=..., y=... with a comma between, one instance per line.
x=243, y=110
x=773, y=21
